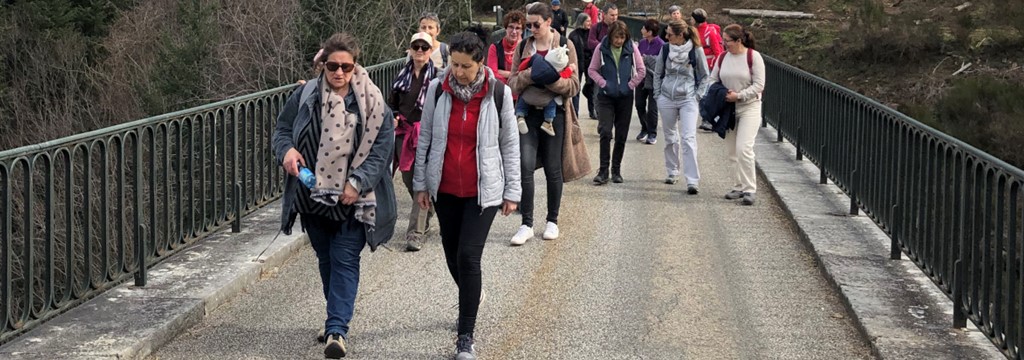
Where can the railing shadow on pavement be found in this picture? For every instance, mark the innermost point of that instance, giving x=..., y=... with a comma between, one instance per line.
x=84, y=213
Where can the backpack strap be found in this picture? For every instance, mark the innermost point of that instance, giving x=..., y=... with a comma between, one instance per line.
x=444, y=55
x=750, y=62
x=664, y=59
x=693, y=65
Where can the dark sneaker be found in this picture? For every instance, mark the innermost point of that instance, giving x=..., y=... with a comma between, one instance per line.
x=642, y=137
x=601, y=178
x=464, y=348
x=692, y=189
x=617, y=178
x=672, y=179
x=651, y=140
x=706, y=126
x=320, y=337
x=748, y=199
x=733, y=195
x=413, y=242
x=335, y=347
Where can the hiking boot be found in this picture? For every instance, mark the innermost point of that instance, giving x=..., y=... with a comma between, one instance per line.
x=748, y=199
x=525, y=233
x=617, y=177
x=651, y=140
x=547, y=128
x=550, y=231
x=733, y=195
x=601, y=178
x=413, y=242
x=464, y=348
x=692, y=189
x=335, y=347
x=672, y=179
x=642, y=137
x=522, y=126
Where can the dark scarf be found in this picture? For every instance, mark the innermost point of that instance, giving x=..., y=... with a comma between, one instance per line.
x=403, y=83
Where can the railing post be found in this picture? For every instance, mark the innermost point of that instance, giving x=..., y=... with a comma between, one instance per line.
x=799, y=134
x=499, y=15
x=764, y=120
x=823, y=179
x=140, y=248
x=236, y=226
x=959, y=274
x=895, y=253
x=854, y=209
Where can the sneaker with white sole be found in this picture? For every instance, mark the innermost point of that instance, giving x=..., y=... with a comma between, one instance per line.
x=464, y=349
x=525, y=233
x=335, y=348
x=550, y=231
x=523, y=129
x=547, y=128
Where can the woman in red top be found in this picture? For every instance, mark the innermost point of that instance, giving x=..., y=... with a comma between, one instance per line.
x=467, y=162
x=499, y=54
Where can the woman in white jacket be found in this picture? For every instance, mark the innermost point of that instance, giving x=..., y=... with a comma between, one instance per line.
x=467, y=163
x=678, y=79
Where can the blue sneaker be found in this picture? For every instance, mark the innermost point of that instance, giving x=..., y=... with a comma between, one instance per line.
x=642, y=137
x=651, y=140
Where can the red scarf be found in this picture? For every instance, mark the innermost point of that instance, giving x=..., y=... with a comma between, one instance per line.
x=510, y=51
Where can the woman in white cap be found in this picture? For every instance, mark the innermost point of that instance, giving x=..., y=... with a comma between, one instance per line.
x=408, y=92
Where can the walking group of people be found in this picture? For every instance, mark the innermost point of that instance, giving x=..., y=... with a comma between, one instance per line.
x=468, y=124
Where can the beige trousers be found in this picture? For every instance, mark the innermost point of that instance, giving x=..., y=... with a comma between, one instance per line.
x=741, y=146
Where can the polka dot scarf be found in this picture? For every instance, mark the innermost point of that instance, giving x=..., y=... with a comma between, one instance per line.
x=339, y=154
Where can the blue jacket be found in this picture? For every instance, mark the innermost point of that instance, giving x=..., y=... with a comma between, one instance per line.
x=374, y=172
x=713, y=106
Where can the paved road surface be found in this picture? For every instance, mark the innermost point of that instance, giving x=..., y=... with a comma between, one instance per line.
x=642, y=271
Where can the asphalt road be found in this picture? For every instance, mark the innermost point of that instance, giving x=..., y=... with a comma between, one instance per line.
x=641, y=271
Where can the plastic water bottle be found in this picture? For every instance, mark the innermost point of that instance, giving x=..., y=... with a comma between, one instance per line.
x=306, y=177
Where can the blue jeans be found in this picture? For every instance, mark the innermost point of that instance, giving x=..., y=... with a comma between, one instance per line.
x=337, y=246
x=522, y=108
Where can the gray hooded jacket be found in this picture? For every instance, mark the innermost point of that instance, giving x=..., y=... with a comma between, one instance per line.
x=675, y=80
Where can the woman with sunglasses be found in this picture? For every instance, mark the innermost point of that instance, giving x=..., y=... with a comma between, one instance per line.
x=549, y=150
x=338, y=127
x=468, y=166
x=678, y=78
x=408, y=92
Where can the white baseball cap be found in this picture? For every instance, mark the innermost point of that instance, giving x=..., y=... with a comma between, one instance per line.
x=422, y=36
x=588, y=1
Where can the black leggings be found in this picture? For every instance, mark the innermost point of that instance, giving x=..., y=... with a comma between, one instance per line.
x=464, y=227
x=613, y=114
x=537, y=146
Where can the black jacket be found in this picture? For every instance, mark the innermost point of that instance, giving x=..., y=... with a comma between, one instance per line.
x=583, y=55
x=713, y=106
x=559, y=21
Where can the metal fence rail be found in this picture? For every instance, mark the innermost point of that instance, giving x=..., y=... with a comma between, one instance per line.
x=953, y=209
x=81, y=214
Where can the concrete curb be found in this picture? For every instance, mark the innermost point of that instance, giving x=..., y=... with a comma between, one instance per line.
x=129, y=322
x=896, y=307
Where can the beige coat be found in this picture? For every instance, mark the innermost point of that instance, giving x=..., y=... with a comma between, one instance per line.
x=575, y=160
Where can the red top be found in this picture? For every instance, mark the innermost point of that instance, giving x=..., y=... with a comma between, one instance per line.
x=459, y=172
x=712, y=41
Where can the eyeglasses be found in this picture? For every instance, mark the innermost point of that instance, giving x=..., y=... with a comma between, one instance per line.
x=533, y=25
x=513, y=29
x=345, y=67
x=420, y=48
x=729, y=40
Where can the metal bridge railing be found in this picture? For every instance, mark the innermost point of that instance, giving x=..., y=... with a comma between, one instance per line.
x=82, y=214
x=954, y=210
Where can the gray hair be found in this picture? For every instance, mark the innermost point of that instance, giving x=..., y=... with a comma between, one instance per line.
x=674, y=8
x=432, y=17
x=583, y=17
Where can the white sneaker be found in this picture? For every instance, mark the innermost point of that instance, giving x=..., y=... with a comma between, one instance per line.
x=525, y=233
x=550, y=231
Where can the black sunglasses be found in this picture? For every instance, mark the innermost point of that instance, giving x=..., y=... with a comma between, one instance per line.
x=345, y=67
x=415, y=47
x=533, y=25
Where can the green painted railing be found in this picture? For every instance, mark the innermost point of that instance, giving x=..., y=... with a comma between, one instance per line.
x=84, y=213
x=953, y=209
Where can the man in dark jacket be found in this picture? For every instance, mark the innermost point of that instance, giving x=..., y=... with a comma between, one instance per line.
x=583, y=55
x=559, y=21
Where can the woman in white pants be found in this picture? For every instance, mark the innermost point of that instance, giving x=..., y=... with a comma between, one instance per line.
x=678, y=79
x=741, y=70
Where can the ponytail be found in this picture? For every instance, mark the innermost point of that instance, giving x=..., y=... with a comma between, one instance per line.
x=736, y=31
x=748, y=39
